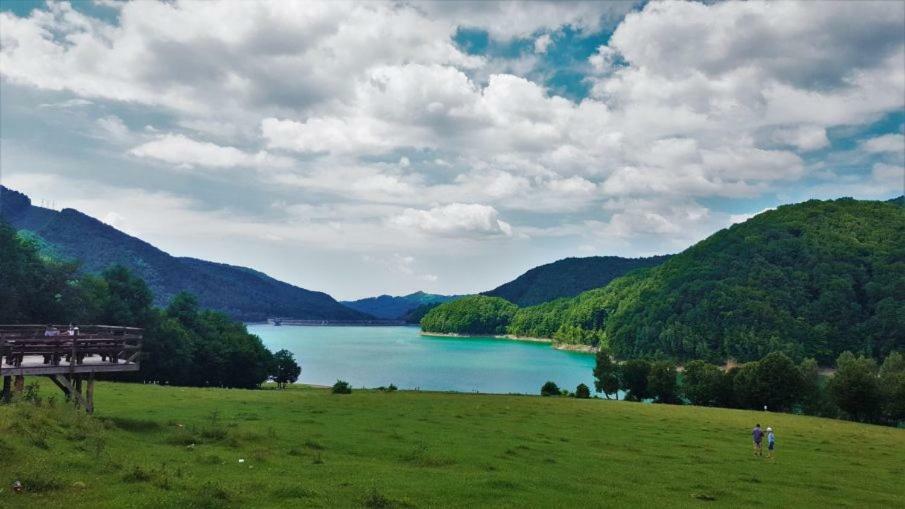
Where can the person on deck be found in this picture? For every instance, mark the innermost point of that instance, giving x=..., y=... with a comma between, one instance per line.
x=758, y=436
x=771, y=442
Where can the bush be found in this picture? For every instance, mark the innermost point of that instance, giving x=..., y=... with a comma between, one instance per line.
x=582, y=391
x=550, y=389
x=342, y=387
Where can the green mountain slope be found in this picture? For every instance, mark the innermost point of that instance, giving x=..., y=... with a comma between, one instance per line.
x=240, y=292
x=395, y=308
x=568, y=277
x=810, y=279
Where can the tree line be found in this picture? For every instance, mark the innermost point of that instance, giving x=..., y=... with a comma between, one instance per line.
x=859, y=389
x=182, y=344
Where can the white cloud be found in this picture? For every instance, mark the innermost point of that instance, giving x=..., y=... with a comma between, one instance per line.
x=893, y=143
x=455, y=219
x=180, y=150
x=804, y=138
x=542, y=43
x=371, y=110
x=113, y=127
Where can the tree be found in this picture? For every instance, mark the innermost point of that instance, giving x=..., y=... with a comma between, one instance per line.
x=129, y=300
x=550, y=389
x=582, y=391
x=285, y=369
x=855, y=387
x=745, y=387
x=661, y=382
x=606, y=374
x=774, y=381
x=634, y=379
x=726, y=396
x=702, y=383
x=779, y=382
x=341, y=387
x=814, y=397
x=892, y=382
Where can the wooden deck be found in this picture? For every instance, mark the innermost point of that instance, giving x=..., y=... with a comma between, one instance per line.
x=67, y=355
x=28, y=350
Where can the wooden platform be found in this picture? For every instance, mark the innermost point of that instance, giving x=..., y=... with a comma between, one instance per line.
x=34, y=365
x=68, y=355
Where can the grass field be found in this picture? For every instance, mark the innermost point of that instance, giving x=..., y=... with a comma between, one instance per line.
x=150, y=446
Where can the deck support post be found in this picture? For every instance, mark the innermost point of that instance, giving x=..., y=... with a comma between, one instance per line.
x=78, y=390
x=7, y=383
x=19, y=384
x=89, y=394
x=68, y=389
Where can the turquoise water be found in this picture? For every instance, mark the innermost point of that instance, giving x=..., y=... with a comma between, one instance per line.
x=375, y=356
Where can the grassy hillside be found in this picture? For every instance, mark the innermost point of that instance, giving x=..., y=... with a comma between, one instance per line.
x=242, y=293
x=568, y=277
x=810, y=279
x=396, y=308
x=152, y=446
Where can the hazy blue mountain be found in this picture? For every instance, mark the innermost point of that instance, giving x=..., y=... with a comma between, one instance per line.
x=242, y=293
x=396, y=308
x=569, y=277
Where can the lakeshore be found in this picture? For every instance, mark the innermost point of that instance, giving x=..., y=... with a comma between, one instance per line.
x=568, y=347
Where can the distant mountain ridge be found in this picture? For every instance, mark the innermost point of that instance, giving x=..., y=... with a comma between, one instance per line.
x=240, y=292
x=396, y=308
x=569, y=277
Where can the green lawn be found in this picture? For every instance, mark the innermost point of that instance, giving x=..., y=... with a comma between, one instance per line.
x=150, y=446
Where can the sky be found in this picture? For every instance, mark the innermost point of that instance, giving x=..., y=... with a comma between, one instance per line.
x=388, y=147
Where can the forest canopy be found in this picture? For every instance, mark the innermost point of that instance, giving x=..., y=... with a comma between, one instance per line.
x=810, y=280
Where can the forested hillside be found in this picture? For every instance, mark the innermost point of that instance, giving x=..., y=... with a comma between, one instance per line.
x=569, y=277
x=475, y=314
x=395, y=308
x=241, y=293
x=810, y=279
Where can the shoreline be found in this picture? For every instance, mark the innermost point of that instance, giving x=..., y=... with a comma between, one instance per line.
x=568, y=347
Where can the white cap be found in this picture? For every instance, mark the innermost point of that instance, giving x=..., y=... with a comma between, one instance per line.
x=769, y=429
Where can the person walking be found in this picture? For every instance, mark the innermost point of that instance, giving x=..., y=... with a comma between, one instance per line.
x=758, y=436
x=771, y=442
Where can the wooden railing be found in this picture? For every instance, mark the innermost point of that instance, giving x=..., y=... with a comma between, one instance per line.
x=112, y=344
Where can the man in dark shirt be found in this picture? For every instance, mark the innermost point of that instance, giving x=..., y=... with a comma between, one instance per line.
x=758, y=436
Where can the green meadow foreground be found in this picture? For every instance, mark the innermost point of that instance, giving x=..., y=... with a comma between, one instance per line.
x=151, y=446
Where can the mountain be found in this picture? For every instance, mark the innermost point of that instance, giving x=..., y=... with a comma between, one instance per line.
x=395, y=308
x=568, y=277
x=240, y=292
x=810, y=279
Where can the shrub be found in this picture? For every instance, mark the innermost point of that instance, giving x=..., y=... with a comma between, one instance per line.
x=550, y=389
x=342, y=387
x=582, y=391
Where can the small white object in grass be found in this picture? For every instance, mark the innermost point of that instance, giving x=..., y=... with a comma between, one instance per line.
x=241, y=460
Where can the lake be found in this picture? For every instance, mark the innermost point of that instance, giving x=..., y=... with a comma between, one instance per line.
x=375, y=356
